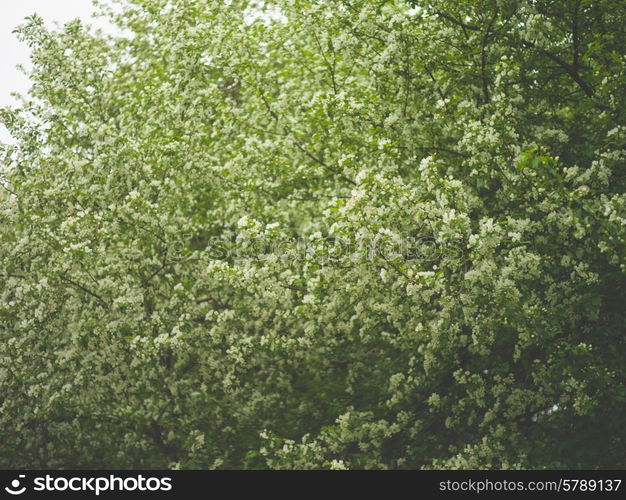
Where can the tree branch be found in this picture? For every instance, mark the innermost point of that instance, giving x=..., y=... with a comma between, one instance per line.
x=84, y=289
x=458, y=22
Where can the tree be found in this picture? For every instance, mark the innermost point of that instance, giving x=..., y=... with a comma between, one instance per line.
x=315, y=234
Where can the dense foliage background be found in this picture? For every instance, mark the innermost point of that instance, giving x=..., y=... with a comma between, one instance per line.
x=318, y=233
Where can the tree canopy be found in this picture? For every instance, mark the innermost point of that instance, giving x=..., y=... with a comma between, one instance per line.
x=318, y=234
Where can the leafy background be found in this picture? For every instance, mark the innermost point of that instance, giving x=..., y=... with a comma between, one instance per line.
x=317, y=234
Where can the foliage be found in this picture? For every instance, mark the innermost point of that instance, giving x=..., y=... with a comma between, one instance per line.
x=318, y=234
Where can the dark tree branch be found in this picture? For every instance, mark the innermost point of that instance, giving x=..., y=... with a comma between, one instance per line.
x=573, y=74
x=12, y=275
x=84, y=289
x=483, y=59
x=458, y=22
x=575, y=37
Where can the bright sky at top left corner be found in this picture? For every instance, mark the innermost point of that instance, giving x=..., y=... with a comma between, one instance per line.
x=12, y=14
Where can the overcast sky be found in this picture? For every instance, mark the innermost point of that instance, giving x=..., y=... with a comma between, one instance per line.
x=12, y=14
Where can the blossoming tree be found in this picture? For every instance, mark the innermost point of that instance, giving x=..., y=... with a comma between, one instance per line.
x=318, y=233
